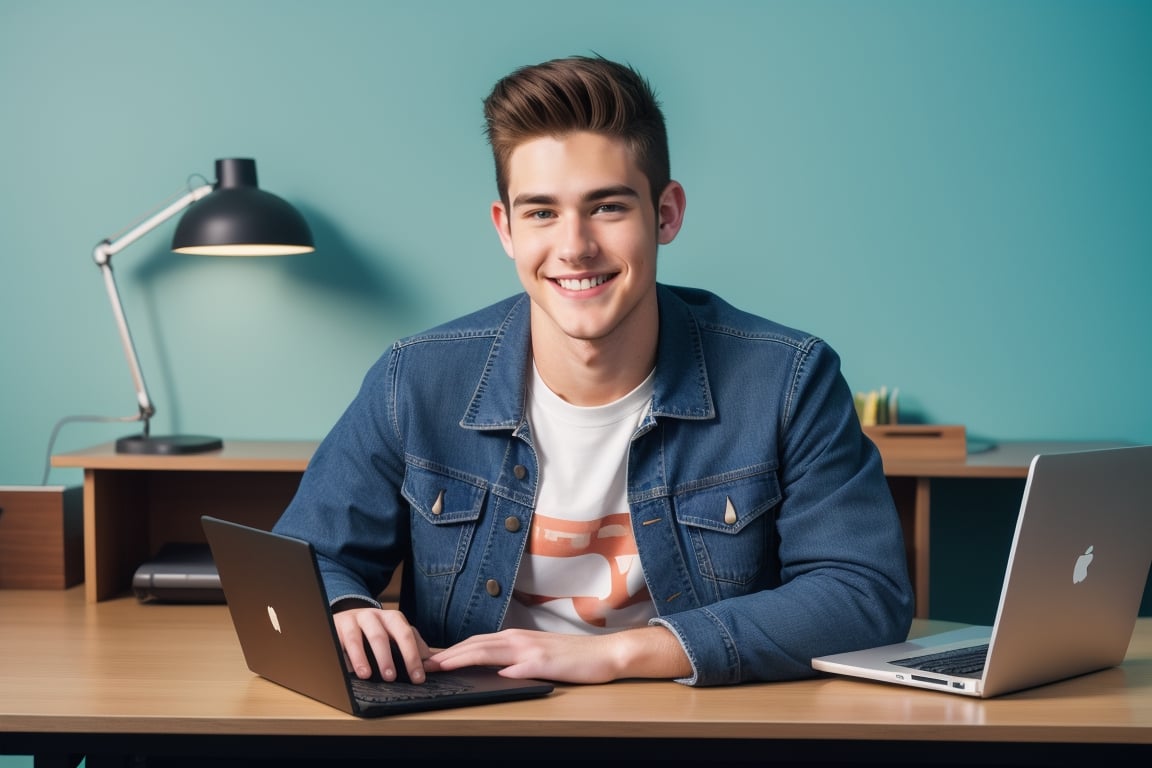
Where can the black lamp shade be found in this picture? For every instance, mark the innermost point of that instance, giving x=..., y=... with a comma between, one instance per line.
x=239, y=219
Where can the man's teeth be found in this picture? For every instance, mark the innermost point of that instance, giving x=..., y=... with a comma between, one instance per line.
x=582, y=285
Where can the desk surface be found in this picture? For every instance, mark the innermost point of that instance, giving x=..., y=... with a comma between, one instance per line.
x=1003, y=459
x=991, y=460
x=118, y=667
x=236, y=455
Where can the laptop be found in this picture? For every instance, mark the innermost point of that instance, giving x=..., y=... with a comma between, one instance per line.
x=1071, y=595
x=181, y=572
x=279, y=608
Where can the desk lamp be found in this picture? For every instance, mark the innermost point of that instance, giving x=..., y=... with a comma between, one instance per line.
x=232, y=217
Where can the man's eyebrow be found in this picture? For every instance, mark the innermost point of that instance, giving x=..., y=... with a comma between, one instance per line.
x=618, y=190
x=533, y=199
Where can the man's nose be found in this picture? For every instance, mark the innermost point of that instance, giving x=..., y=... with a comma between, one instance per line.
x=576, y=241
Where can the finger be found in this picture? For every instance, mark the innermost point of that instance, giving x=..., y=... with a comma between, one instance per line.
x=355, y=655
x=423, y=647
x=412, y=651
x=397, y=647
x=478, y=650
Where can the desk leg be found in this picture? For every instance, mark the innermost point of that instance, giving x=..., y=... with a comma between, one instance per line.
x=912, y=496
x=922, y=528
x=91, y=526
x=115, y=531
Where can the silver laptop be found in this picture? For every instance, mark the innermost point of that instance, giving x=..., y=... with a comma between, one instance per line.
x=1071, y=595
x=280, y=611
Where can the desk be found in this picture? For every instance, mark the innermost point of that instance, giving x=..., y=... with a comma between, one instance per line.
x=119, y=677
x=133, y=504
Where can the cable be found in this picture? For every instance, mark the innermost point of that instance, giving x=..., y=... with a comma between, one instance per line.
x=68, y=419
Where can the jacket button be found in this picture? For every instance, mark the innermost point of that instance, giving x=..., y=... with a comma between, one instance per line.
x=511, y=524
x=520, y=471
x=729, y=512
x=493, y=587
x=438, y=505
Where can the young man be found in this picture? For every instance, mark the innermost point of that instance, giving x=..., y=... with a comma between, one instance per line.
x=602, y=477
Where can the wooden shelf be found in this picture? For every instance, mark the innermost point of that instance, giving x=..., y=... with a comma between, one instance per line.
x=134, y=504
x=235, y=456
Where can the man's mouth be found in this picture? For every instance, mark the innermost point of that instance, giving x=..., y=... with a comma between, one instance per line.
x=582, y=284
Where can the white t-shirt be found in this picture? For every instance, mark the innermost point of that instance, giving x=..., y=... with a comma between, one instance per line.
x=581, y=573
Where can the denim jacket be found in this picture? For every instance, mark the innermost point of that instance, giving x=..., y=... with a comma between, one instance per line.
x=762, y=516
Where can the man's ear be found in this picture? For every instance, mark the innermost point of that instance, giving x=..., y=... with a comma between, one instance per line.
x=503, y=227
x=670, y=212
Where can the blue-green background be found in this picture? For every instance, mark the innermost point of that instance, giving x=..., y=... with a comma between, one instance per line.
x=957, y=195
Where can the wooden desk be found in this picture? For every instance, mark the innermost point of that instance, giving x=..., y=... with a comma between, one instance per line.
x=119, y=677
x=133, y=504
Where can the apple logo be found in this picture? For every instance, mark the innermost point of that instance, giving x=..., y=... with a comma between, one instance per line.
x=1080, y=572
x=272, y=616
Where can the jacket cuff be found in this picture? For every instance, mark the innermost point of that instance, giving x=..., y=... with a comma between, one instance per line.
x=718, y=659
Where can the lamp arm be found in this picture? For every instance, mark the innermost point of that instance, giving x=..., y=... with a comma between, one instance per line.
x=103, y=254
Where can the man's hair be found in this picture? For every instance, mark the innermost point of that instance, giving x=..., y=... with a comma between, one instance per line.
x=578, y=93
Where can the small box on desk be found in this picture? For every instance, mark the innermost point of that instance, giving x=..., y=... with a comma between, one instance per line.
x=41, y=536
x=919, y=442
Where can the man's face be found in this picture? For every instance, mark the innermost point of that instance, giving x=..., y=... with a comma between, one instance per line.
x=583, y=231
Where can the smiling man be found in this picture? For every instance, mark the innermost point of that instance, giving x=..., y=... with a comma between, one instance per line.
x=603, y=476
x=583, y=230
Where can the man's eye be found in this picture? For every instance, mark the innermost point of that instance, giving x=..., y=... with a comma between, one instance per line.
x=609, y=208
x=540, y=215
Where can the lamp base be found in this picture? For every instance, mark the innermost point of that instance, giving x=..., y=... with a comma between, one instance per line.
x=168, y=445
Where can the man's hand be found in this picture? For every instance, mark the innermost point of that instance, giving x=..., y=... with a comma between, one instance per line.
x=357, y=627
x=645, y=652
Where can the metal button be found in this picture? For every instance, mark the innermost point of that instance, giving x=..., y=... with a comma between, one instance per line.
x=511, y=524
x=493, y=587
x=520, y=471
x=438, y=505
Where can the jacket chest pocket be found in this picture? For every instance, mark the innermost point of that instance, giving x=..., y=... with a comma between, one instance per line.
x=445, y=511
x=729, y=527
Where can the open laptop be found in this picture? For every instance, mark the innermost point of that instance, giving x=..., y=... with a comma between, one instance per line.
x=280, y=611
x=1071, y=595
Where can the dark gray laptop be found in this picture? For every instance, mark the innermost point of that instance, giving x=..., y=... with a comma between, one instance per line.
x=181, y=572
x=280, y=611
x=1071, y=594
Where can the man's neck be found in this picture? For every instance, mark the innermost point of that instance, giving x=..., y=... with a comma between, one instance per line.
x=594, y=372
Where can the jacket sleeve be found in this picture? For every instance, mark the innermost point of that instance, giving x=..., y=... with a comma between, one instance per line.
x=844, y=579
x=349, y=504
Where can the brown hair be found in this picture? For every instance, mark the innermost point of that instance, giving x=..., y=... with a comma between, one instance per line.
x=578, y=93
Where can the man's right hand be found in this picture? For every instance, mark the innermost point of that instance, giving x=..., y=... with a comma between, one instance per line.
x=369, y=630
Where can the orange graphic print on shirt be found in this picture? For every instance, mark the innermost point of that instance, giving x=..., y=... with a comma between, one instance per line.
x=593, y=564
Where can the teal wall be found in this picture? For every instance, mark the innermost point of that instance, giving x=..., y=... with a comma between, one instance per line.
x=957, y=195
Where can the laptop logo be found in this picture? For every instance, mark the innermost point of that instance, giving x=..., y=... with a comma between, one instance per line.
x=274, y=618
x=1080, y=572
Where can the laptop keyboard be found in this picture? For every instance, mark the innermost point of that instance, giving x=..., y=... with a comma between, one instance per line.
x=959, y=662
x=380, y=692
